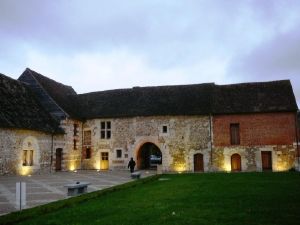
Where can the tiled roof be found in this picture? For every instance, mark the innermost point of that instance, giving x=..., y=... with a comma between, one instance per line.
x=19, y=108
x=274, y=96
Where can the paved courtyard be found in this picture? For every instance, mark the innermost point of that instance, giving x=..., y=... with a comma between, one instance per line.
x=42, y=189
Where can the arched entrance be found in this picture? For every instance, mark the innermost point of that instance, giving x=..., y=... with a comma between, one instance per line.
x=198, y=163
x=236, y=163
x=149, y=156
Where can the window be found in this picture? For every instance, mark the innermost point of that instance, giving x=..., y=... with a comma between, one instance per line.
x=119, y=153
x=104, y=155
x=165, y=129
x=88, y=153
x=87, y=137
x=76, y=130
x=235, y=133
x=105, y=132
x=74, y=144
x=27, y=157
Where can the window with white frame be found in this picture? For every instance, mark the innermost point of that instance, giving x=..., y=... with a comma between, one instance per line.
x=105, y=130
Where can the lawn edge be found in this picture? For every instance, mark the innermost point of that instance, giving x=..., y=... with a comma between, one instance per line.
x=17, y=216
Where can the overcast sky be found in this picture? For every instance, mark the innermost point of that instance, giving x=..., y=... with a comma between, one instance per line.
x=100, y=45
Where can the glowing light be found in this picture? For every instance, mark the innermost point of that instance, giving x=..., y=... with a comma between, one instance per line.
x=72, y=166
x=97, y=165
x=75, y=171
x=282, y=167
x=25, y=170
x=227, y=167
x=179, y=167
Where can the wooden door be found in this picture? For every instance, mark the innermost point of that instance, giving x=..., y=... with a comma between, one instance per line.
x=198, y=163
x=104, y=164
x=266, y=160
x=236, y=164
x=58, y=159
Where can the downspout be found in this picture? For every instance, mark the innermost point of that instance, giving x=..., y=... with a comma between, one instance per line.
x=211, y=141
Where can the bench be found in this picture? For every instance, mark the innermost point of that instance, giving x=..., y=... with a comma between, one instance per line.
x=77, y=188
x=136, y=175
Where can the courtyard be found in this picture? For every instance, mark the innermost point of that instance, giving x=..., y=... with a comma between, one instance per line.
x=42, y=189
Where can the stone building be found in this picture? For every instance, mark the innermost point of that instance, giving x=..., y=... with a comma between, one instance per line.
x=201, y=127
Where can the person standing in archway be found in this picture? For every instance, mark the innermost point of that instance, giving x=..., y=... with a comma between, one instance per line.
x=131, y=165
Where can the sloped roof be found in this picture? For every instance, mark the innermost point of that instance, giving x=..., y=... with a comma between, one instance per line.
x=64, y=96
x=20, y=109
x=147, y=101
x=274, y=96
x=196, y=99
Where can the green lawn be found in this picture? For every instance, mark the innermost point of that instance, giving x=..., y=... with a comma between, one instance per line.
x=213, y=198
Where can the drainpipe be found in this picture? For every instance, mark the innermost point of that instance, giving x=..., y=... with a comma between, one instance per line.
x=51, y=158
x=211, y=141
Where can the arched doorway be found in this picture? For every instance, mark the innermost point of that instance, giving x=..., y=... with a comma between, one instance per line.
x=236, y=163
x=198, y=163
x=149, y=156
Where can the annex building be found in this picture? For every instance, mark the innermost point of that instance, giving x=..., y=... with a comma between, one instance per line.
x=46, y=126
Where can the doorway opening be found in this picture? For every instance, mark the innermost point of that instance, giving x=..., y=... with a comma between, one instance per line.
x=266, y=160
x=58, y=159
x=236, y=164
x=149, y=156
x=198, y=163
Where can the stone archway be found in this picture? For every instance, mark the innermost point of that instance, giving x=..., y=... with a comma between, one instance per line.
x=149, y=156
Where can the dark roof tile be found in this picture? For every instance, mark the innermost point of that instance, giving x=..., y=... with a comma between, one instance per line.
x=20, y=109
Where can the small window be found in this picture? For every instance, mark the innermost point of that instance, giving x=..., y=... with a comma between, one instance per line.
x=74, y=144
x=235, y=133
x=88, y=153
x=105, y=132
x=76, y=131
x=119, y=153
x=104, y=155
x=165, y=129
x=27, y=157
x=87, y=137
x=126, y=156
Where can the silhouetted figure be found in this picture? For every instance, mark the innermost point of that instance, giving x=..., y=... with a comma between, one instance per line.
x=131, y=165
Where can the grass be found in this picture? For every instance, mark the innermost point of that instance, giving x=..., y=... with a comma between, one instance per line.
x=213, y=198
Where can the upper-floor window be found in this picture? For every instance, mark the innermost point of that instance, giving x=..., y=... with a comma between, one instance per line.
x=165, y=129
x=119, y=153
x=105, y=130
x=87, y=139
x=235, y=133
x=76, y=129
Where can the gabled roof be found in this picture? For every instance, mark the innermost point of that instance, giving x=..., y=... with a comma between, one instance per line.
x=148, y=101
x=19, y=108
x=57, y=98
x=274, y=96
x=196, y=99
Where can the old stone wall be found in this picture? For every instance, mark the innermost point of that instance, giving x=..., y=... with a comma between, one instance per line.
x=256, y=129
x=71, y=145
x=185, y=136
x=12, y=144
x=283, y=157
